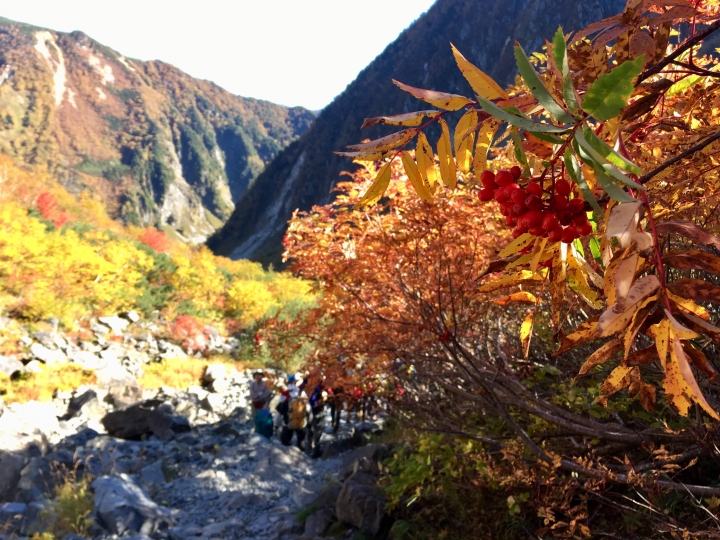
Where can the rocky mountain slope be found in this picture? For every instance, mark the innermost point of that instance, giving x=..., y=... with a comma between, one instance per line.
x=160, y=147
x=303, y=174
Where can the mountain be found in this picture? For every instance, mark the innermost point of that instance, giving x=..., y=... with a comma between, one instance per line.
x=303, y=174
x=157, y=146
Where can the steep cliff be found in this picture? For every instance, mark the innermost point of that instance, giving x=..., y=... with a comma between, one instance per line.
x=158, y=146
x=303, y=174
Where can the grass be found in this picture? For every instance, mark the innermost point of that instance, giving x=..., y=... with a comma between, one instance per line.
x=73, y=506
x=41, y=386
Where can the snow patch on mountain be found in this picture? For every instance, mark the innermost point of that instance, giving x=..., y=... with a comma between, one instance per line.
x=56, y=65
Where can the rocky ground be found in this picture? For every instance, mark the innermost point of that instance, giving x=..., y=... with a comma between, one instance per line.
x=172, y=463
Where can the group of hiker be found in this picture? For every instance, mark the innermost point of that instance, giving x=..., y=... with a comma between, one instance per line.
x=300, y=409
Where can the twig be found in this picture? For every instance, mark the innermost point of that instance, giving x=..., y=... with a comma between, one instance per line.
x=672, y=161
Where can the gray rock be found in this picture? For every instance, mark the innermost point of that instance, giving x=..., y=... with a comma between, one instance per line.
x=11, y=516
x=213, y=403
x=165, y=423
x=9, y=365
x=11, y=464
x=317, y=523
x=47, y=356
x=115, y=323
x=132, y=316
x=85, y=359
x=73, y=536
x=170, y=350
x=304, y=492
x=85, y=404
x=364, y=459
x=39, y=518
x=132, y=422
x=216, y=376
x=153, y=475
x=114, y=375
x=99, y=329
x=121, y=507
x=51, y=340
x=34, y=366
x=361, y=506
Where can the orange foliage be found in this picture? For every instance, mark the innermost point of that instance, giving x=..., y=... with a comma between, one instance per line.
x=155, y=239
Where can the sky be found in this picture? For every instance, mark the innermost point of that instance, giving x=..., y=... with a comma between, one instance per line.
x=291, y=52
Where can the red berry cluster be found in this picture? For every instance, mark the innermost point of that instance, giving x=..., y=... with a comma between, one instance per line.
x=528, y=209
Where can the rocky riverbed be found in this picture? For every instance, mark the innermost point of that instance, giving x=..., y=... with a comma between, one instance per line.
x=171, y=463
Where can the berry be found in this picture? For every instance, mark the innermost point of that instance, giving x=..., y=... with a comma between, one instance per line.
x=580, y=220
x=533, y=218
x=510, y=221
x=565, y=218
x=576, y=206
x=506, y=208
x=503, y=178
x=559, y=204
x=518, y=195
x=555, y=234
x=516, y=233
x=518, y=209
x=486, y=195
x=501, y=196
x=533, y=202
x=535, y=189
x=516, y=171
x=569, y=235
x=549, y=222
x=488, y=179
x=536, y=231
x=585, y=229
x=562, y=187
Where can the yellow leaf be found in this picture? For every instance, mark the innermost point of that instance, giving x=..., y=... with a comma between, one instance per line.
x=526, y=332
x=407, y=119
x=413, y=174
x=449, y=102
x=680, y=371
x=601, y=355
x=510, y=280
x=579, y=280
x=616, y=318
x=689, y=306
x=520, y=243
x=448, y=172
x=385, y=143
x=518, y=297
x=637, y=321
x=464, y=141
x=585, y=332
x=366, y=156
x=618, y=379
x=426, y=162
x=378, y=187
x=623, y=224
x=484, y=138
x=482, y=84
x=625, y=274
x=537, y=252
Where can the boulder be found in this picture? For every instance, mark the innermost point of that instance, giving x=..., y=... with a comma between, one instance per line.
x=317, y=523
x=11, y=516
x=39, y=518
x=9, y=365
x=213, y=403
x=364, y=458
x=216, y=377
x=47, y=356
x=170, y=350
x=112, y=374
x=123, y=396
x=34, y=366
x=152, y=475
x=360, y=506
x=28, y=424
x=132, y=422
x=121, y=507
x=115, y=323
x=304, y=492
x=85, y=404
x=85, y=359
x=132, y=316
x=165, y=423
x=51, y=340
x=11, y=463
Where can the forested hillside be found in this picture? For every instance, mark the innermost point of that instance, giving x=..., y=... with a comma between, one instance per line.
x=158, y=146
x=303, y=174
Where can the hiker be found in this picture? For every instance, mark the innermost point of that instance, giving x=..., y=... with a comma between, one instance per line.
x=259, y=392
x=336, y=400
x=296, y=417
x=317, y=420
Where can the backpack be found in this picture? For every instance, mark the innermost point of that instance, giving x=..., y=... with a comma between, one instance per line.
x=264, y=423
x=296, y=414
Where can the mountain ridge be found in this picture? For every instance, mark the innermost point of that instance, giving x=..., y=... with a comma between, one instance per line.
x=156, y=145
x=303, y=173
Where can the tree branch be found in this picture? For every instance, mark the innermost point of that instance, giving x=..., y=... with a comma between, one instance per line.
x=672, y=161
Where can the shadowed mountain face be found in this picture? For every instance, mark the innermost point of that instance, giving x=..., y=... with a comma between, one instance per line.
x=303, y=174
x=156, y=145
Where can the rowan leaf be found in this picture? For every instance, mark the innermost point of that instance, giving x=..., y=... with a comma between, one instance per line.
x=643, y=357
x=526, y=332
x=585, y=332
x=612, y=189
x=689, y=306
x=600, y=356
x=537, y=252
x=464, y=140
x=517, y=121
x=484, y=139
x=413, y=174
x=366, y=156
x=426, y=163
x=448, y=171
x=618, y=379
x=609, y=154
x=510, y=280
x=682, y=381
x=689, y=230
x=623, y=224
x=638, y=320
x=481, y=83
x=520, y=243
x=616, y=318
x=385, y=143
x=442, y=100
x=600, y=163
x=538, y=89
x=559, y=50
x=378, y=187
x=405, y=119
x=700, y=361
x=693, y=259
x=700, y=326
x=695, y=289
x=572, y=166
x=520, y=297
x=609, y=94
x=625, y=274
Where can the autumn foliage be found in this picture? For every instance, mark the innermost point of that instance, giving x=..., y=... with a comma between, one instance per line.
x=553, y=274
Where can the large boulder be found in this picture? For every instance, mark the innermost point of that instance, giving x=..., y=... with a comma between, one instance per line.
x=85, y=404
x=149, y=417
x=165, y=423
x=121, y=507
x=9, y=365
x=216, y=377
x=115, y=323
x=46, y=355
x=364, y=458
x=31, y=424
x=360, y=504
x=11, y=463
x=317, y=523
